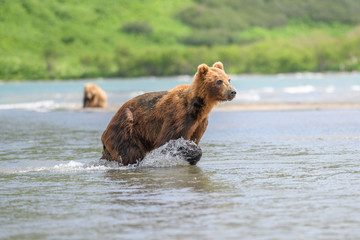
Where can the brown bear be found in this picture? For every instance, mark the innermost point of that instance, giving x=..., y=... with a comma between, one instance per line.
x=94, y=96
x=148, y=121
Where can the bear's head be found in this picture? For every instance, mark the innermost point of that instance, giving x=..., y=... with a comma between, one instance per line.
x=214, y=83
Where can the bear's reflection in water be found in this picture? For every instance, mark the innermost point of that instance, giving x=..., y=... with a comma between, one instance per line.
x=146, y=181
x=164, y=178
x=157, y=198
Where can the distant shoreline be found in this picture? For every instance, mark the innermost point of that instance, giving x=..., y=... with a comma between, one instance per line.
x=260, y=107
x=297, y=75
x=285, y=106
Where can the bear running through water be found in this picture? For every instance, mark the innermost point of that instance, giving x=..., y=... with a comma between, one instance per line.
x=150, y=120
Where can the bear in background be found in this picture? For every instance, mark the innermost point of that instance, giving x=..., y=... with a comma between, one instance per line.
x=94, y=96
x=148, y=121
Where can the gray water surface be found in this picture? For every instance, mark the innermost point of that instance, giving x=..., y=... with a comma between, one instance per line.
x=263, y=175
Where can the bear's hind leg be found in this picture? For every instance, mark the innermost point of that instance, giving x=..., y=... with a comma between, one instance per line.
x=121, y=142
x=126, y=154
x=132, y=154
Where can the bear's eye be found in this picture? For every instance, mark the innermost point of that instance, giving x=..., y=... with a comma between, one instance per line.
x=219, y=82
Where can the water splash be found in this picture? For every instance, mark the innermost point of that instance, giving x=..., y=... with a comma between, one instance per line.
x=72, y=166
x=168, y=155
x=299, y=89
x=99, y=164
x=40, y=106
x=171, y=154
x=355, y=88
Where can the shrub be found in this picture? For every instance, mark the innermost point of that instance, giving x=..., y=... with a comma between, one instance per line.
x=211, y=37
x=137, y=28
x=240, y=14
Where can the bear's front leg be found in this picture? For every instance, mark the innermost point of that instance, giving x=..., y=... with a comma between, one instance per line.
x=192, y=152
x=199, y=131
x=187, y=150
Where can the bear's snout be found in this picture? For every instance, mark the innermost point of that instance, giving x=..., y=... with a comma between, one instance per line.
x=231, y=94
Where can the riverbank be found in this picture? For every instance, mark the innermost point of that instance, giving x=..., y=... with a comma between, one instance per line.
x=285, y=106
x=255, y=93
x=234, y=107
x=73, y=40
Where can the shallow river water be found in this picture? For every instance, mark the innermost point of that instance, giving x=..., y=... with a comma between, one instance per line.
x=263, y=175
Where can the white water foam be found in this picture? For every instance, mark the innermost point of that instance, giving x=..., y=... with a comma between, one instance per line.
x=330, y=89
x=268, y=90
x=301, y=75
x=299, y=89
x=167, y=155
x=72, y=166
x=249, y=96
x=355, y=88
x=40, y=106
x=100, y=164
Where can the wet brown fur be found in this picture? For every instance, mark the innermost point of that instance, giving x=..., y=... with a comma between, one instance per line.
x=148, y=121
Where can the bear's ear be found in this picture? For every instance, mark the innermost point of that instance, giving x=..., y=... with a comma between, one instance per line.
x=219, y=65
x=203, y=69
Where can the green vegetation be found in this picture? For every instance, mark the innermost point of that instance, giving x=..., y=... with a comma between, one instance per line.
x=41, y=39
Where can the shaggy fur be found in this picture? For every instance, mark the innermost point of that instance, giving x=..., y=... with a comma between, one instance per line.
x=94, y=96
x=150, y=120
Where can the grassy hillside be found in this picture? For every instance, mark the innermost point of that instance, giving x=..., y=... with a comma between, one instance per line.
x=102, y=38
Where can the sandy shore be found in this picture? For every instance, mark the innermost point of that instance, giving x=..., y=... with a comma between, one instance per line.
x=258, y=107
x=284, y=106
